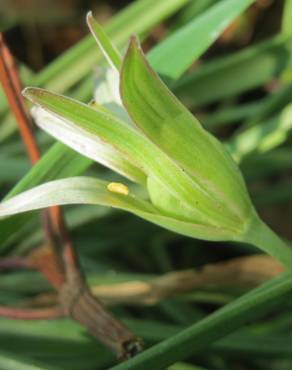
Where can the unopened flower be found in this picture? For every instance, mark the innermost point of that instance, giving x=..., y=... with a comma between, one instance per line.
x=140, y=130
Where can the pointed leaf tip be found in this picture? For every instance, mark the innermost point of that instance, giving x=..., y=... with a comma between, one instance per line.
x=134, y=45
x=26, y=92
x=89, y=16
x=33, y=94
x=135, y=41
x=203, y=175
x=108, y=49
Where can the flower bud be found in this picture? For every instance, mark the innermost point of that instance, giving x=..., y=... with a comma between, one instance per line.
x=206, y=187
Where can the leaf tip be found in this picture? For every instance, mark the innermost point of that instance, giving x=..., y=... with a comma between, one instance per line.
x=134, y=43
x=26, y=92
x=89, y=18
x=134, y=48
x=31, y=93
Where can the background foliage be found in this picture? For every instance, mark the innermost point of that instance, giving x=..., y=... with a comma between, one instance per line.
x=240, y=89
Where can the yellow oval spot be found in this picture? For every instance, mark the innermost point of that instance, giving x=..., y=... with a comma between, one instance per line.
x=117, y=187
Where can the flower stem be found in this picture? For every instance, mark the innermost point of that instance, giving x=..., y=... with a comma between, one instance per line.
x=261, y=236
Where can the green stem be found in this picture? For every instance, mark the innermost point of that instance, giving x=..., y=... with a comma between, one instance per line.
x=261, y=236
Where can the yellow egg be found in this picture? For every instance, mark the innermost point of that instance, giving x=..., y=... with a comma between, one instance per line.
x=117, y=187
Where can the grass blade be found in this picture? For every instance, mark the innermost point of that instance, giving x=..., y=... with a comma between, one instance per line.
x=10, y=361
x=86, y=143
x=235, y=73
x=86, y=190
x=174, y=55
x=214, y=178
x=106, y=46
x=137, y=18
x=60, y=161
x=217, y=325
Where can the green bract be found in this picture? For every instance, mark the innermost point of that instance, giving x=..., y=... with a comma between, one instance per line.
x=194, y=186
x=139, y=129
x=212, y=191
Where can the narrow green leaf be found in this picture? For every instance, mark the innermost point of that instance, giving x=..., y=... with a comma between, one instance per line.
x=12, y=168
x=286, y=18
x=88, y=144
x=79, y=190
x=253, y=112
x=132, y=145
x=192, y=10
x=11, y=361
x=184, y=366
x=61, y=343
x=174, y=55
x=275, y=162
x=59, y=161
x=108, y=49
x=262, y=137
x=232, y=115
x=235, y=73
x=255, y=346
x=85, y=190
x=116, y=135
x=77, y=62
x=213, y=175
x=107, y=91
x=217, y=325
x=65, y=72
x=138, y=18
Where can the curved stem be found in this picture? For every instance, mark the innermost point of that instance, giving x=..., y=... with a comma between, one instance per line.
x=261, y=236
x=49, y=313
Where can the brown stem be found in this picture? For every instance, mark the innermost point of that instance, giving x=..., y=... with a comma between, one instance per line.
x=63, y=274
x=53, y=222
x=44, y=259
x=62, y=237
x=12, y=87
x=86, y=309
x=31, y=314
x=245, y=272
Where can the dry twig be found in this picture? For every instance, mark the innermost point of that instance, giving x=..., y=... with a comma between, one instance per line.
x=238, y=272
x=58, y=260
